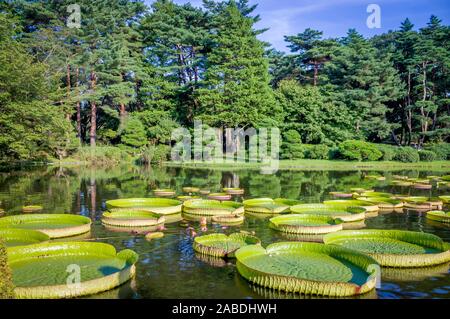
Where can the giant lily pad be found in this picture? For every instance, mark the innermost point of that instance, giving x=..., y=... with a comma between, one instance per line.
x=305, y=224
x=132, y=218
x=19, y=237
x=439, y=216
x=234, y=191
x=344, y=203
x=383, y=202
x=219, y=196
x=163, y=206
x=201, y=207
x=308, y=268
x=445, y=199
x=349, y=214
x=228, y=220
x=32, y=208
x=221, y=245
x=54, y=225
x=164, y=192
x=269, y=205
x=394, y=248
x=44, y=270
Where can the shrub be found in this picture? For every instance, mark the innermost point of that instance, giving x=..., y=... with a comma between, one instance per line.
x=442, y=150
x=102, y=155
x=407, y=155
x=292, y=147
x=6, y=285
x=388, y=151
x=427, y=156
x=134, y=134
x=155, y=154
x=359, y=151
x=319, y=151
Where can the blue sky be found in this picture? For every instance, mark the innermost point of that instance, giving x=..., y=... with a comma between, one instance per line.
x=335, y=17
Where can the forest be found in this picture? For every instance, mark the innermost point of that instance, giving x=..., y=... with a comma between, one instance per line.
x=115, y=87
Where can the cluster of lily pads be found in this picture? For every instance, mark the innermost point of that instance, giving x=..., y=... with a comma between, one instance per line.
x=332, y=255
x=344, y=262
x=421, y=183
x=42, y=250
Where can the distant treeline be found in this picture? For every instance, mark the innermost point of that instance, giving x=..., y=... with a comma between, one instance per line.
x=130, y=74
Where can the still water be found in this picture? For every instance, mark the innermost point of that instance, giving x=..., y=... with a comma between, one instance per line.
x=169, y=267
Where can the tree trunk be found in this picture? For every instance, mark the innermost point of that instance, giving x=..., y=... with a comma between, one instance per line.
x=122, y=114
x=68, y=90
x=316, y=73
x=93, y=132
x=423, y=121
x=78, y=107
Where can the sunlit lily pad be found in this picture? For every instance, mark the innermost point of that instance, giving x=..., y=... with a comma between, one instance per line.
x=394, y=248
x=53, y=225
x=305, y=224
x=161, y=206
x=165, y=192
x=221, y=245
x=269, y=205
x=439, y=216
x=344, y=203
x=201, y=207
x=228, y=220
x=349, y=214
x=32, y=208
x=42, y=270
x=234, y=191
x=219, y=196
x=132, y=218
x=308, y=268
x=19, y=237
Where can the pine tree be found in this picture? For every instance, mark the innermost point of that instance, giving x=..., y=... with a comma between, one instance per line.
x=236, y=89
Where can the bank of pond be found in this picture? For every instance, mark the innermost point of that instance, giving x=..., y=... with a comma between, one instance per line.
x=329, y=251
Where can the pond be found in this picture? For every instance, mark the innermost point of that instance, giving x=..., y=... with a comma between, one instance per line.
x=169, y=267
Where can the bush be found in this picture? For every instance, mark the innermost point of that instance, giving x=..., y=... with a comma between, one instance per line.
x=102, y=155
x=427, y=156
x=359, y=151
x=388, y=151
x=407, y=155
x=319, y=151
x=155, y=154
x=6, y=285
x=134, y=134
x=442, y=150
x=292, y=147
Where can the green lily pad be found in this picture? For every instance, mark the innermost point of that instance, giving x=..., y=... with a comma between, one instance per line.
x=132, y=218
x=200, y=207
x=269, y=205
x=308, y=268
x=439, y=216
x=394, y=248
x=19, y=237
x=349, y=214
x=305, y=224
x=163, y=206
x=221, y=245
x=53, y=225
x=43, y=270
x=344, y=203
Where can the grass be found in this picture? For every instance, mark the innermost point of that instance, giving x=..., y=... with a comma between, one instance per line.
x=312, y=165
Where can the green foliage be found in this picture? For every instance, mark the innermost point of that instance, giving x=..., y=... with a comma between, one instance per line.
x=407, y=155
x=158, y=125
x=319, y=151
x=102, y=155
x=6, y=284
x=387, y=150
x=427, y=156
x=292, y=147
x=134, y=134
x=442, y=150
x=359, y=151
x=155, y=154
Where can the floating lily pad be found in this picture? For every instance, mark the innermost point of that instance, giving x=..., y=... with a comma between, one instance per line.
x=32, y=208
x=360, y=190
x=445, y=199
x=228, y=220
x=54, y=225
x=401, y=183
x=154, y=235
x=349, y=214
x=269, y=205
x=164, y=192
x=341, y=194
x=422, y=186
x=308, y=268
x=219, y=196
x=344, y=203
x=132, y=218
x=394, y=248
x=204, y=191
x=439, y=216
x=376, y=194
x=187, y=197
x=199, y=207
x=19, y=237
x=163, y=206
x=383, y=202
x=305, y=224
x=221, y=245
x=234, y=191
x=189, y=189
x=42, y=270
